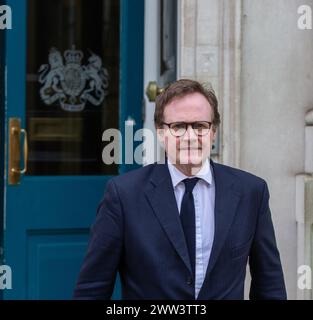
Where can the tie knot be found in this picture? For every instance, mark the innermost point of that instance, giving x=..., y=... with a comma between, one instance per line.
x=190, y=184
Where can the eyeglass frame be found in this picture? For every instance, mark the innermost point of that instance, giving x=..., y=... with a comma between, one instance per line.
x=187, y=124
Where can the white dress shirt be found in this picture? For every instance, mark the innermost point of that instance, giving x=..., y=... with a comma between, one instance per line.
x=204, y=200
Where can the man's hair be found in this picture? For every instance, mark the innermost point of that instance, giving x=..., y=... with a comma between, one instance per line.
x=180, y=89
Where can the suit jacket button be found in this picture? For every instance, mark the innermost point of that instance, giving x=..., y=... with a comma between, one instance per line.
x=189, y=281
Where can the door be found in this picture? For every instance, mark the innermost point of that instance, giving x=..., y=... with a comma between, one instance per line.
x=160, y=58
x=74, y=68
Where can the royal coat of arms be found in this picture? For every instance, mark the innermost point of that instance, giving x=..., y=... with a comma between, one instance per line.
x=73, y=84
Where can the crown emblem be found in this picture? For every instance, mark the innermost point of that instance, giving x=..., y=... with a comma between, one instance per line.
x=73, y=56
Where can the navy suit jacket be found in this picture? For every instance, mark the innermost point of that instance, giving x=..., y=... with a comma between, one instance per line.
x=138, y=233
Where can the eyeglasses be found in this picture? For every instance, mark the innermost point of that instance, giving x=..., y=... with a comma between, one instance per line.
x=200, y=128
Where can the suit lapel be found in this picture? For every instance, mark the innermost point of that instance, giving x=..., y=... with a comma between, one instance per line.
x=227, y=196
x=162, y=200
x=161, y=197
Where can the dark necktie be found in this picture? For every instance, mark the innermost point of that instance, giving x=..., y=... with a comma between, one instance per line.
x=187, y=216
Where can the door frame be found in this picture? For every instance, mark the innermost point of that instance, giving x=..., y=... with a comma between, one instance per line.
x=2, y=139
x=151, y=66
x=131, y=109
x=151, y=69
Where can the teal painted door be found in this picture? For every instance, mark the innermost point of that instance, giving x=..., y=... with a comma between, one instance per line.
x=74, y=68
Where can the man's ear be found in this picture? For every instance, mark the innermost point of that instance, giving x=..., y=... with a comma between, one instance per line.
x=160, y=135
x=213, y=134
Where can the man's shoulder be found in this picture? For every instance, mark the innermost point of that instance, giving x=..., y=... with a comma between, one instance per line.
x=139, y=176
x=241, y=175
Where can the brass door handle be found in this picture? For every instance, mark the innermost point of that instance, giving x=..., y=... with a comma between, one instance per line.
x=153, y=91
x=22, y=131
x=15, y=133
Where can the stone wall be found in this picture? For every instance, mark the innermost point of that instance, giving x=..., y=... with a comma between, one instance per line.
x=261, y=67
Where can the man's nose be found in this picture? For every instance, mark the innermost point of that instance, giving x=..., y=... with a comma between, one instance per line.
x=190, y=133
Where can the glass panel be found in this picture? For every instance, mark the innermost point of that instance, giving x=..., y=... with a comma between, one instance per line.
x=168, y=41
x=72, y=84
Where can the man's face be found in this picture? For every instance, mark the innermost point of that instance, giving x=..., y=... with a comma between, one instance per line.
x=189, y=149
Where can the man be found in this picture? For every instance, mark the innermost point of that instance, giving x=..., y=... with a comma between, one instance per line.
x=184, y=229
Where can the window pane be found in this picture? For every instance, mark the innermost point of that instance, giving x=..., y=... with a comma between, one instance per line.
x=72, y=84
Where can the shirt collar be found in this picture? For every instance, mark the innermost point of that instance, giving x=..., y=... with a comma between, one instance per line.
x=177, y=176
